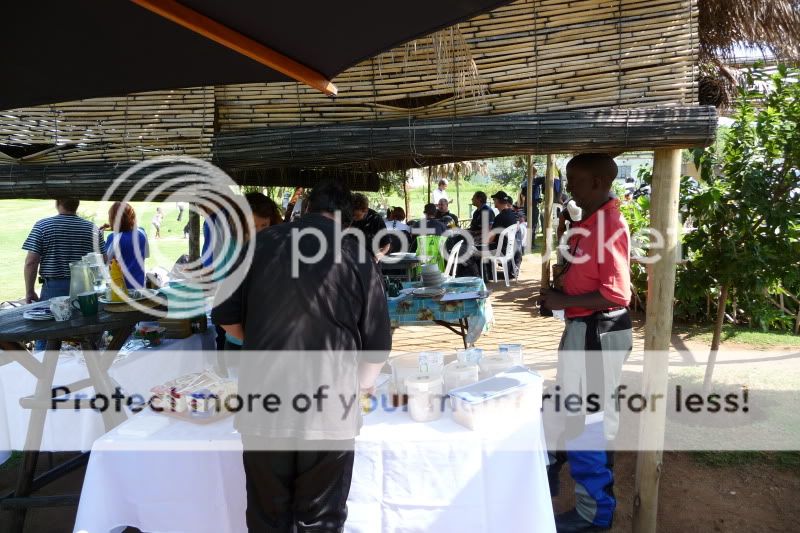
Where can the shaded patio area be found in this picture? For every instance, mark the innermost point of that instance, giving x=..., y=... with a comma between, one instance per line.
x=516, y=320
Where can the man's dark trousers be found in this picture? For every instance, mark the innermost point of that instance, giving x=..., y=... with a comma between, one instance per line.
x=295, y=489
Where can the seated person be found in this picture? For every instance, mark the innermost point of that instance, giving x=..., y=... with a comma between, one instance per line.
x=366, y=220
x=482, y=211
x=448, y=222
x=443, y=210
x=396, y=220
x=127, y=244
x=506, y=217
x=432, y=225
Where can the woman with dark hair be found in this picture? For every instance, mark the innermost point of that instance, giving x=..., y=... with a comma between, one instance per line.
x=265, y=211
x=127, y=244
x=265, y=214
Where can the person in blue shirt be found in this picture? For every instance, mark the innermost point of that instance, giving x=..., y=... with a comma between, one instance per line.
x=210, y=238
x=127, y=244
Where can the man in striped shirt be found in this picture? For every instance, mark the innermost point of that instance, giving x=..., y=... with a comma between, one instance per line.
x=53, y=244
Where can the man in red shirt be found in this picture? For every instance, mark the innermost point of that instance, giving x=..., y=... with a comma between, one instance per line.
x=596, y=341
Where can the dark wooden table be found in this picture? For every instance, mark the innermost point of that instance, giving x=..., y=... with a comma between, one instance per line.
x=14, y=331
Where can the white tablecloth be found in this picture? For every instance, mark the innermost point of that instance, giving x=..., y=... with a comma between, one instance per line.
x=67, y=429
x=408, y=477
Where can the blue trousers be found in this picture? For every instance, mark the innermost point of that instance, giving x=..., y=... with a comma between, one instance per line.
x=51, y=289
x=590, y=466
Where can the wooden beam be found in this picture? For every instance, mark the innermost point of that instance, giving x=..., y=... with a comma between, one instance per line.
x=383, y=145
x=232, y=39
x=194, y=233
x=406, y=196
x=531, y=234
x=658, y=330
x=547, y=226
x=458, y=193
x=430, y=171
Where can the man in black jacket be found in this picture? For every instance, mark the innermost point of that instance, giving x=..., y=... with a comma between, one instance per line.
x=367, y=220
x=313, y=315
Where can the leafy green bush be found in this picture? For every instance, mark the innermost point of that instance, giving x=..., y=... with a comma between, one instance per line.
x=744, y=211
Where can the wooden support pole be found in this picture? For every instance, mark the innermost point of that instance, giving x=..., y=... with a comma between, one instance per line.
x=458, y=193
x=658, y=330
x=531, y=236
x=430, y=171
x=547, y=225
x=194, y=233
x=232, y=39
x=405, y=195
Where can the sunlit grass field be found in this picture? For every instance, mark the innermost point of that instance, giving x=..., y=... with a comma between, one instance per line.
x=18, y=217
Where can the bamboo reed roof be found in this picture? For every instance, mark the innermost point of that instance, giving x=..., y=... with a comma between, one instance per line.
x=521, y=63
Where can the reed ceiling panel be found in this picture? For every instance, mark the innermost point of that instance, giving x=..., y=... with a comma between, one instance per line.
x=131, y=128
x=530, y=56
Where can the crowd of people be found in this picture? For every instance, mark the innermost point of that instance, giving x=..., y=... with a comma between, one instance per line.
x=336, y=306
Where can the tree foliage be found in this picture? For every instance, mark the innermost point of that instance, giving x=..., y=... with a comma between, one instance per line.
x=746, y=208
x=744, y=212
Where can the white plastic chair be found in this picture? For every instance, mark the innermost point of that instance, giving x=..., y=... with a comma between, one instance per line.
x=452, y=261
x=505, y=260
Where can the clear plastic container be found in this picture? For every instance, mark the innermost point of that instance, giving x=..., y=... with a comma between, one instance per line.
x=514, y=351
x=406, y=366
x=494, y=364
x=431, y=363
x=458, y=374
x=499, y=403
x=424, y=397
x=470, y=355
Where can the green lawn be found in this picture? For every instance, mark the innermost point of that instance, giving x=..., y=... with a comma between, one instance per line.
x=738, y=334
x=18, y=217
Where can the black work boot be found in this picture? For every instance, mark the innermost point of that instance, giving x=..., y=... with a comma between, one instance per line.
x=553, y=478
x=572, y=522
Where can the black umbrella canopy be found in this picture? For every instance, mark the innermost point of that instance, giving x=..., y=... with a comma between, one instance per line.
x=62, y=51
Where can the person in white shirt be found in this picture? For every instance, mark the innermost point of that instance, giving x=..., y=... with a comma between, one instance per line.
x=397, y=220
x=440, y=192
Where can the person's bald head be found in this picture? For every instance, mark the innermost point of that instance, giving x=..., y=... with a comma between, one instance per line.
x=589, y=178
x=601, y=166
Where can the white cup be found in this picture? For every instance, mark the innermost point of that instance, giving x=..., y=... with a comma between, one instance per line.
x=61, y=308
